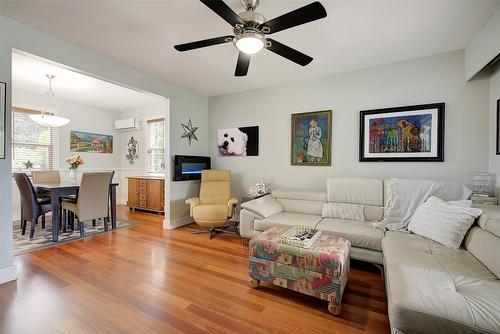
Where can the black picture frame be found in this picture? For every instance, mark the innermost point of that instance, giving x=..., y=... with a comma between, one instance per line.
x=386, y=156
x=498, y=127
x=3, y=110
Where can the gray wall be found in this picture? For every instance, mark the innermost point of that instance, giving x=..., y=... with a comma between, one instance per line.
x=437, y=78
x=184, y=104
x=494, y=96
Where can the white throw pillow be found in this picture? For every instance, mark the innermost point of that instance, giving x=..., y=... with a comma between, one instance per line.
x=406, y=195
x=447, y=224
x=265, y=206
x=344, y=211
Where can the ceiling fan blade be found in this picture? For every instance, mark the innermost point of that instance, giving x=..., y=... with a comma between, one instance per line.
x=242, y=65
x=204, y=43
x=223, y=10
x=308, y=13
x=289, y=53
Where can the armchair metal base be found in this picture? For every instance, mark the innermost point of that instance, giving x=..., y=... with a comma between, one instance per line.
x=214, y=230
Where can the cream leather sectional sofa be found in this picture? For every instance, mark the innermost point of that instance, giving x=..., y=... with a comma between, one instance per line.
x=430, y=288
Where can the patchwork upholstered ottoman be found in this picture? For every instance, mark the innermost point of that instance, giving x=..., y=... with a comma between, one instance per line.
x=320, y=271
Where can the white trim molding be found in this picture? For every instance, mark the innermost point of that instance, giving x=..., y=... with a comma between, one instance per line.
x=8, y=274
x=178, y=222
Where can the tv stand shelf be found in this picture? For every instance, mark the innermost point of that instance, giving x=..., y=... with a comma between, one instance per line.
x=146, y=193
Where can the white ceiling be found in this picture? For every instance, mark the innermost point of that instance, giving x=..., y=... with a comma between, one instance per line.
x=28, y=75
x=356, y=34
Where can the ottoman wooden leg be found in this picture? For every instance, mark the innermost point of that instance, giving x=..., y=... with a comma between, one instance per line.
x=334, y=308
x=254, y=283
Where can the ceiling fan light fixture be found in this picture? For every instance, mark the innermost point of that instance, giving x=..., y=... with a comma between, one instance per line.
x=250, y=42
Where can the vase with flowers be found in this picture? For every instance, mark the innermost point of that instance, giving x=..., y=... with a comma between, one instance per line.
x=74, y=162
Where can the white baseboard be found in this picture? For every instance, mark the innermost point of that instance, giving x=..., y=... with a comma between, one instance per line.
x=178, y=222
x=16, y=216
x=8, y=274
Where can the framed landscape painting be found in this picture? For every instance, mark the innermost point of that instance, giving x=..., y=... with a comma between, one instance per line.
x=412, y=133
x=91, y=142
x=312, y=139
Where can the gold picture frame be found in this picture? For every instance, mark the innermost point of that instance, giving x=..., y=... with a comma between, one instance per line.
x=311, y=138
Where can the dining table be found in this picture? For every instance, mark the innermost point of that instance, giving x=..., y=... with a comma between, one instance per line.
x=65, y=188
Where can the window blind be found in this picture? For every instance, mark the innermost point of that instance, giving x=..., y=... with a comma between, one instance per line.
x=156, y=150
x=31, y=141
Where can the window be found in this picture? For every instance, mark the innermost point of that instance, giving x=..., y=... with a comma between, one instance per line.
x=31, y=141
x=156, y=143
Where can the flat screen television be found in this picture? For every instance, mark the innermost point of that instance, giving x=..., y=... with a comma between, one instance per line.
x=189, y=167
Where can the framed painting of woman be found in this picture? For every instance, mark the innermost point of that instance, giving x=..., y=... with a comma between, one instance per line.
x=312, y=139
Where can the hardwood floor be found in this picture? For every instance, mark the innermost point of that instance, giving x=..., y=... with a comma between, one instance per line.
x=148, y=280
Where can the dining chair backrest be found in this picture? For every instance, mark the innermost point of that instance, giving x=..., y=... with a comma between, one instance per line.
x=93, y=196
x=46, y=176
x=29, y=200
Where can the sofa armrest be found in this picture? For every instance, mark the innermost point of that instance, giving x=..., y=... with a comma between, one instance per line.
x=230, y=206
x=489, y=219
x=265, y=206
x=246, y=226
x=192, y=202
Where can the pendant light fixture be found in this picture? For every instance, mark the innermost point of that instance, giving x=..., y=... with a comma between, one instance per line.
x=49, y=115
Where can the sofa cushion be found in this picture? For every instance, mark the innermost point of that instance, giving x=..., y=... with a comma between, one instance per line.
x=485, y=246
x=286, y=219
x=301, y=206
x=374, y=213
x=210, y=212
x=366, y=191
x=490, y=219
x=308, y=195
x=360, y=234
x=435, y=289
x=344, y=211
x=264, y=206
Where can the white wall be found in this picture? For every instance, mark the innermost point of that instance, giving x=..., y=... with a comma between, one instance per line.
x=83, y=118
x=494, y=96
x=139, y=167
x=437, y=78
x=484, y=47
x=183, y=104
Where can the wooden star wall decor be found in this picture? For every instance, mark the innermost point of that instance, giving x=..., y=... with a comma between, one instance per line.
x=189, y=131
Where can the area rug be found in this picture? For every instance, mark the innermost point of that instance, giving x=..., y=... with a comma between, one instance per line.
x=43, y=237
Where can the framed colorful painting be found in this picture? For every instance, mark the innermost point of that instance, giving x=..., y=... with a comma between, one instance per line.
x=312, y=139
x=412, y=133
x=90, y=142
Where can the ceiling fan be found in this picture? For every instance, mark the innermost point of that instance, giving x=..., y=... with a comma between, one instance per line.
x=251, y=29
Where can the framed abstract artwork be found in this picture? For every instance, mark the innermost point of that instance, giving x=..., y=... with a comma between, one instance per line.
x=412, y=133
x=311, y=143
x=3, y=110
x=498, y=127
x=90, y=142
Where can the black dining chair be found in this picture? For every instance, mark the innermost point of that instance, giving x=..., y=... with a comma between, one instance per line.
x=32, y=207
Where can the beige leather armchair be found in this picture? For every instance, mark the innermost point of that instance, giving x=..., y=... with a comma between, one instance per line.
x=214, y=205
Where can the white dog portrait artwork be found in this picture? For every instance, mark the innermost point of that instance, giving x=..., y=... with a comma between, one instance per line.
x=240, y=142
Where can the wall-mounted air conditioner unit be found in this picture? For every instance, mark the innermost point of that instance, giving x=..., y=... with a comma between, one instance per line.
x=127, y=124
